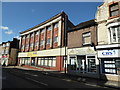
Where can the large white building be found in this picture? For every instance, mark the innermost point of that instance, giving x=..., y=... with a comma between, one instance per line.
x=108, y=49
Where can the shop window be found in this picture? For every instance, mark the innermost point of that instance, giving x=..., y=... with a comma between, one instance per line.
x=114, y=9
x=115, y=34
x=54, y=62
x=108, y=66
x=86, y=38
x=72, y=63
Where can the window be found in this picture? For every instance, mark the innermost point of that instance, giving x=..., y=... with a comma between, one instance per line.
x=49, y=28
x=27, y=46
x=31, y=45
x=48, y=41
x=73, y=63
x=115, y=34
x=3, y=45
x=114, y=9
x=36, y=43
x=43, y=30
x=108, y=66
x=7, y=44
x=22, y=47
x=56, y=25
x=41, y=42
x=86, y=38
x=56, y=39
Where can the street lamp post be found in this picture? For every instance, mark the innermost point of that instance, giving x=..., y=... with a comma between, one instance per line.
x=65, y=41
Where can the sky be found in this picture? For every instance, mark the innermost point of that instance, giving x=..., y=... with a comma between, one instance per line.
x=20, y=16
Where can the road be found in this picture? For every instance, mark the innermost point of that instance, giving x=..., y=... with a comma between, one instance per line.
x=18, y=78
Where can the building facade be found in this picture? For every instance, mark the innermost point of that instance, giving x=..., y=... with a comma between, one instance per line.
x=108, y=49
x=82, y=55
x=44, y=45
x=9, y=51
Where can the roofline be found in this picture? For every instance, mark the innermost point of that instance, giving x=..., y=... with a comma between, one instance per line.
x=75, y=29
x=52, y=18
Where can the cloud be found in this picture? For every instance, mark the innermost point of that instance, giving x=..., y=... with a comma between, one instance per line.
x=4, y=28
x=9, y=32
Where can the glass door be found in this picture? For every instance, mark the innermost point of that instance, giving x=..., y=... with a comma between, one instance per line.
x=81, y=63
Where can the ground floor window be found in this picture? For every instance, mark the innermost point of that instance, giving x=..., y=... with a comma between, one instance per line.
x=110, y=65
x=25, y=61
x=83, y=63
x=47, y=61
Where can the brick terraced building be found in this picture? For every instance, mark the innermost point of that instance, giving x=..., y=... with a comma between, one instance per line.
x=44, y=45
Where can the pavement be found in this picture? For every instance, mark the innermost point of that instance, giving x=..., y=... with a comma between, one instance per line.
x=58, y=74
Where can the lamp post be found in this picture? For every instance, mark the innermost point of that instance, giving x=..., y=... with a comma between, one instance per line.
x=65, y=42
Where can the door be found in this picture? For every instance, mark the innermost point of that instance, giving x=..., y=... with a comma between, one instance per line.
x=33, y=62
x=81, y=63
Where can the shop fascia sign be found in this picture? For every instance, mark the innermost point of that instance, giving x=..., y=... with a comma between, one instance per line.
x=32, y=54
x=108, y=53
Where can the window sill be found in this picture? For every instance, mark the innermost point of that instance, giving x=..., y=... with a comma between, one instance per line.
x=114, y=16
x=87, y=44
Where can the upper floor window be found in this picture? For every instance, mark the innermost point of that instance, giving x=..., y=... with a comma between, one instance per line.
x=37, y=33
x=114, y=9
x=86, y=38
x=49, y=28
x=115, y=34
x=55, y=39
x=32, y=35
x=48, y=41
x=3, y=45
x=7, y=44
x=43, y=30
x=56, y=25
x=27, y=36
x=41, y=42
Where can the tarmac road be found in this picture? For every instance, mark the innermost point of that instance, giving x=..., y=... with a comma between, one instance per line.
x=17, y=78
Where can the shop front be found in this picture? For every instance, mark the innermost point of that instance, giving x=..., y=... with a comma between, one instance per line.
x=83, y=62
x=109, y=64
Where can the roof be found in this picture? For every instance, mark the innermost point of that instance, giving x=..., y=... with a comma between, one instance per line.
x=52, y=18
x=84, y=25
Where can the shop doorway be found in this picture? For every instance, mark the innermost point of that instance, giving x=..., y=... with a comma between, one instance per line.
x=33, y=61
x=81, y=64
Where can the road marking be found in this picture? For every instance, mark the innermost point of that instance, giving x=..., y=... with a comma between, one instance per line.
x=68, y=80
x=37, y=81
x=91, y=85
x=32, y=74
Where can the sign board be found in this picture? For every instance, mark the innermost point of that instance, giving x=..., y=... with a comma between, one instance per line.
x=32, y=54
x=108, y=53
